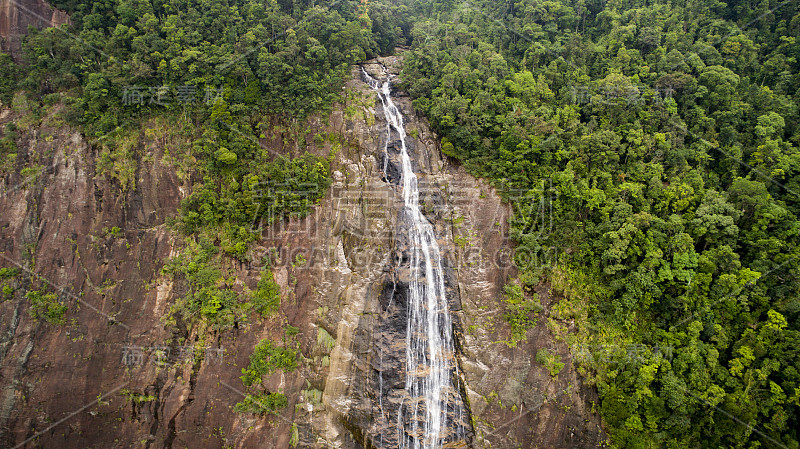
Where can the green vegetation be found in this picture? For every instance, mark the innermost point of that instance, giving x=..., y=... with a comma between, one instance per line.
x=210, y=298
x=8, y=145
x=7, y=282
x=290, y=331
x=550, y=361
x=267, y=298
x=295, y=439
x=136, y=398
x=270, y=191
x=117, y=160
x=8, y=77
x=325, y=340
x=46, y=306
x=267, y=358
x=213, y=71
x=313, y=397
x=286, y=58
x=114, y=232
x=262, y=404
x=656, y=146
x=518, y=312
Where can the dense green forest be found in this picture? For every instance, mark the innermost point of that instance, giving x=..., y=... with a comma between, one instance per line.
x=662, y=136
x=665, y=136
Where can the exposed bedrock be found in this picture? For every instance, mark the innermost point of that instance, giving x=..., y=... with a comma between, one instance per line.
x=17, y=15
x=348, y=298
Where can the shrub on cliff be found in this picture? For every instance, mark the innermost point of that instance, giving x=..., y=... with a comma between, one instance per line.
x=262, y=403
x=520, y=313
x=267, y=298
x=46, y=306
x=266, y=358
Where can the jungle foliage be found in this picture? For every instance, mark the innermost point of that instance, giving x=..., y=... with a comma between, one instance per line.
x=222, y=75
x=661, y=140
x=267, y=357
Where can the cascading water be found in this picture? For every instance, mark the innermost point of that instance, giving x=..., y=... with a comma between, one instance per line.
x=431, y=412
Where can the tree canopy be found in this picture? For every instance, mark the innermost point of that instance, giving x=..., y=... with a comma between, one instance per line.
x=669, y=133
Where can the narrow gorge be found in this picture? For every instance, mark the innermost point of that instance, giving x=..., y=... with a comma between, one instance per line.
x=432, y=412
x=394, y=283
x=399, y=224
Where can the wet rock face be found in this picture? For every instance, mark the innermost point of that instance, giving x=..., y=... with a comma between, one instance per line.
x=404, y=403
x=349, y=300
x=390, y=164
x=513, y=401
x=382, y=392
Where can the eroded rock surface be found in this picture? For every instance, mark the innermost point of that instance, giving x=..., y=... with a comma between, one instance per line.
x=339, y=284
x=17, y=15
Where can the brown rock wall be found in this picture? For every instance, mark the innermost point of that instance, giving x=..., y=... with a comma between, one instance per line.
x=62, y=385
x=17, y=15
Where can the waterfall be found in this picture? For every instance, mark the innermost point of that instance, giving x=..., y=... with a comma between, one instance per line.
x=430, y=394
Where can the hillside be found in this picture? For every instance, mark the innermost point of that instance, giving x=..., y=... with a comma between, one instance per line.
x=210, y=239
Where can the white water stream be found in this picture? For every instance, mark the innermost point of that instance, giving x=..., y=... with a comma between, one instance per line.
x=422, y=420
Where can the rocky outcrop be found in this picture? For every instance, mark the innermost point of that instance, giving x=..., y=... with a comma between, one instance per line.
x=339, y=282
x=17, y=15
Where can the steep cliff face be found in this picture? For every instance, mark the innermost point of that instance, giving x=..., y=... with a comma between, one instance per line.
x=110, y=376
x=17, y=15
